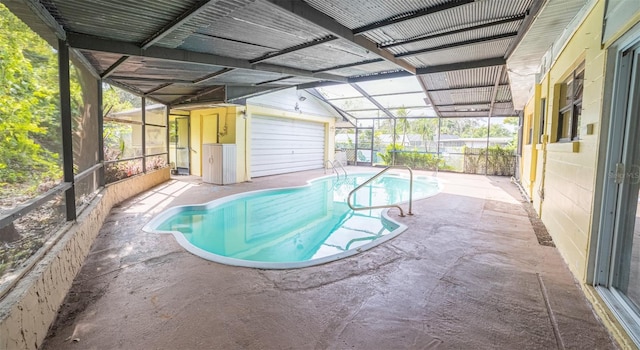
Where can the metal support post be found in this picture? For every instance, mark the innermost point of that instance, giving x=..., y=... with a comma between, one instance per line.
x=66, y=125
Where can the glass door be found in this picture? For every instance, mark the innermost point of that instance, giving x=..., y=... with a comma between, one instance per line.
x=179, y=144
x=364, y=146
x=617, y=274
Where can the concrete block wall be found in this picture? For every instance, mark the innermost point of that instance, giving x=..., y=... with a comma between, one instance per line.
x=28, y=310
x=566, y=170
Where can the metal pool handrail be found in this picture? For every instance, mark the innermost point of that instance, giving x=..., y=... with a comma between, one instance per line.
x=333, y=166
x=388, y=205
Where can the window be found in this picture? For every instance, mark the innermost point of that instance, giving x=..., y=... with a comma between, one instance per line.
x=570, y=107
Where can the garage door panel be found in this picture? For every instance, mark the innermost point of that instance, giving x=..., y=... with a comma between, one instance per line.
x=280, y=145
x=306, y=153
x=281, y=169
x=275, y=159
x=286, y=145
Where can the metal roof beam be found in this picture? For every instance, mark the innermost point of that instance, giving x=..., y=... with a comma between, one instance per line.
x=429, y=99
x=459, y=44
x=157, y=88
x=294, y=49
x=389, y=109
x=151, y=80
x=467, y=88
x=376, y=103
x=456, y=31
x=239, y=94
x=176, y=23
x=203, y=92
x=213, y=75
x=273, y=80
x=379, y=95
x=321, y=19
x=349, y=65
x=494, y=95
x=378, y=76
x=129, y=88
x=357, y=79
x=113, y=67
x=315, y=93
x=410, y=15
x=488, y=62
x=470, y=104
x=94, y=43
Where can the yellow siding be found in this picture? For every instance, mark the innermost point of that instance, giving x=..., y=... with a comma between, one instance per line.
x=567, y=171
x=529, y=150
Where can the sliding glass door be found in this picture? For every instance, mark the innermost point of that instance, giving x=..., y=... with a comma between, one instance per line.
x=617, y=273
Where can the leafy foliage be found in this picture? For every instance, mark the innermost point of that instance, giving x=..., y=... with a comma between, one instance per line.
x=29, y=111
x=395, y=154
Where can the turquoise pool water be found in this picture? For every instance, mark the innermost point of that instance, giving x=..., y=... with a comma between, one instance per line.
x=293, y=227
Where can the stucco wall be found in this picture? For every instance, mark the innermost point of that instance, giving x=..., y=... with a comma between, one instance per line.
x=29, y=309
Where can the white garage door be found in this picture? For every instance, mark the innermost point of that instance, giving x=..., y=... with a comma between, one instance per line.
x=280, y=145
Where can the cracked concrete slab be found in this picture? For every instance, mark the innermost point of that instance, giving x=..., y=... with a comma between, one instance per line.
x=465, y=275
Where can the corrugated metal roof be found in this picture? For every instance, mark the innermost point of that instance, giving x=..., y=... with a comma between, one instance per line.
x=357, y=13
x=464, y=114
x=141, y=67
x=245, y=76
x=459, y=37
x=239, y=33
x=472, y=13
x=131, y=21
x=462, y=96
x=462, y=78
x=466, y=108
x=224, y=47
x=503, y=109
x=212, y=13
x=468, y=53
x=525, y=61
x=263, y=24
x=332, y=54
x=364, y=69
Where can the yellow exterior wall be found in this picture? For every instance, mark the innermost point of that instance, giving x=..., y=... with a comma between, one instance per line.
x=566, y=171
x=529, y=163
x=233, y=124
x=211, y=125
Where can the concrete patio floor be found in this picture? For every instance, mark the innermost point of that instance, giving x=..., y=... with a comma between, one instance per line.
x=467, y=274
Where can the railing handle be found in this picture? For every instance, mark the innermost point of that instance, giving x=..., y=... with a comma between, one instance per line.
x=388, y=205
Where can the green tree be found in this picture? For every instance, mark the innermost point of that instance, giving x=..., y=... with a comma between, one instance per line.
x=427, y=128
x=29, y=112
x=402, y=125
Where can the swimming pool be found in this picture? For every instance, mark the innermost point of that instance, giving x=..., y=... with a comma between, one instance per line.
x=293, y=227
